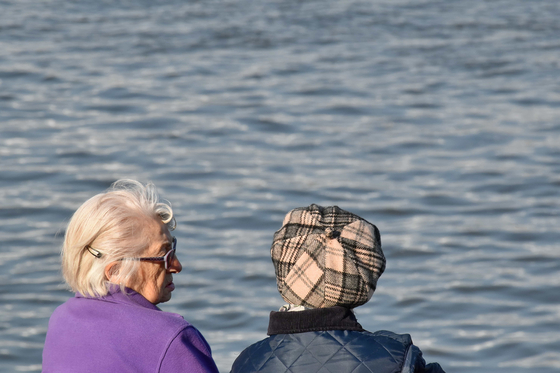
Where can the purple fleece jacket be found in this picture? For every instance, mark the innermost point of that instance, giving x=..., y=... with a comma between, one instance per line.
x=122, y=333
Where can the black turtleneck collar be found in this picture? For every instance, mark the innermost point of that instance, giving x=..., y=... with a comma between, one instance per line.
x=318, y=319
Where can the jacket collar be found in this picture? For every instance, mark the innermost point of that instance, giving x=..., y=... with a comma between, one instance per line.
x=318, y=319
x=115, y=295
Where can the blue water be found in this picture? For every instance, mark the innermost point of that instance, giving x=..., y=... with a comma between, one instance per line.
x=438, y=121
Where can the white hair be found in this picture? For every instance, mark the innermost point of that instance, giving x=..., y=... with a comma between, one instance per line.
x=112, y=223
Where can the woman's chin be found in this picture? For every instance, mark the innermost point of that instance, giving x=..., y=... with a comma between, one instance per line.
x=165, y=296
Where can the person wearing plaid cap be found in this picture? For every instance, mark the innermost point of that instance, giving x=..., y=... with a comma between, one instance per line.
x=327, y=262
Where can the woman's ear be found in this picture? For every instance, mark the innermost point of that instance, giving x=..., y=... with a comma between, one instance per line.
x=112, y=272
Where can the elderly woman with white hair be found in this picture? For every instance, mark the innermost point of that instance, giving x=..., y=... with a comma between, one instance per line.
x=119, y=257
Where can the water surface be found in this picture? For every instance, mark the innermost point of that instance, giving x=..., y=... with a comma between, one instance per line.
x=435, y=120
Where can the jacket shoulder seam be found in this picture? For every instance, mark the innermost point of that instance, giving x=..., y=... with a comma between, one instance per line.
x=168, y=344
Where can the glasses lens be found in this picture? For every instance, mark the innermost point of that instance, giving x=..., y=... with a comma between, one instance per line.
x=169, y=258
x=171, y=254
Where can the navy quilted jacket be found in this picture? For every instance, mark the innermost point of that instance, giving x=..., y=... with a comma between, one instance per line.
x=330, y=340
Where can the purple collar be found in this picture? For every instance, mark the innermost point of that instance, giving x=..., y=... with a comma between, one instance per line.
x=115, y=295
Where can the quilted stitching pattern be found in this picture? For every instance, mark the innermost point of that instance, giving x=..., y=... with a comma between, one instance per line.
x=336, y=351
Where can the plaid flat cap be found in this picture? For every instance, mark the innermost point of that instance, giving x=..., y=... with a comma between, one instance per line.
x=326, y=256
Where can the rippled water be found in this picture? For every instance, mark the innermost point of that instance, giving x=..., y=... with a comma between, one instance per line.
x=435, y=120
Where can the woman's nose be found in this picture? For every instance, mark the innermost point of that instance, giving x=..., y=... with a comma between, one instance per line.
x=176, y=266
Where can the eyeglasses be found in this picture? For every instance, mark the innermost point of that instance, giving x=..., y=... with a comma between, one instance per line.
x=167, y=258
